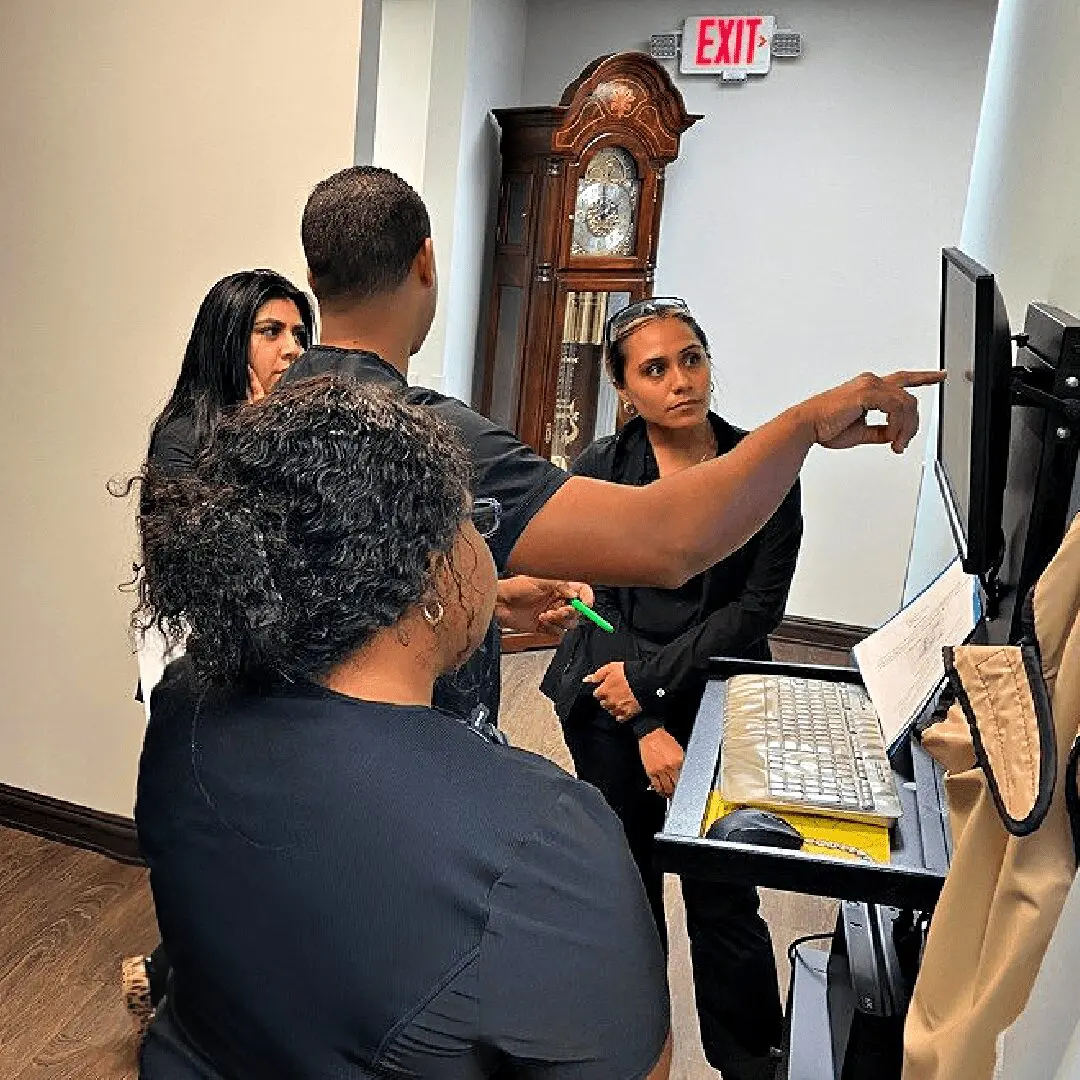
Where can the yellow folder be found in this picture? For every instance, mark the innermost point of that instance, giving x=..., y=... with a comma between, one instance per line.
x=873, y=839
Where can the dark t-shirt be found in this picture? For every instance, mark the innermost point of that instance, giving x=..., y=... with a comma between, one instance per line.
x=349, y=889
x=504, y=468
x=173, y=447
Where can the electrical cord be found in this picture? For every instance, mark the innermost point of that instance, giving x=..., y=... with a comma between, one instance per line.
x=791, y=949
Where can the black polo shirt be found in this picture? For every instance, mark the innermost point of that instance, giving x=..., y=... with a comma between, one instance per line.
x=349, y=889
x=504, y=468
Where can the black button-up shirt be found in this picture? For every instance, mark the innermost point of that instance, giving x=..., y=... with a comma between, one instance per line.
x=667, y=636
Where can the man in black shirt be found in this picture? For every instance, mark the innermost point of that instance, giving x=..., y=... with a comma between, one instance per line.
x=371, y=265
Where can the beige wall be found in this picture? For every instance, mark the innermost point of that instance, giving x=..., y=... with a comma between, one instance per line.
x=149, y=148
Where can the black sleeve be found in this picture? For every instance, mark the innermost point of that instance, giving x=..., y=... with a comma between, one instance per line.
x=730, y=629
x=174, y=447
x=572, y=976
x=504, y=469
x=596, y=459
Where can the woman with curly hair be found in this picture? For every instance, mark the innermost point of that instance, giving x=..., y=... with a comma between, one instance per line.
x=348, y=881
x=249, y=329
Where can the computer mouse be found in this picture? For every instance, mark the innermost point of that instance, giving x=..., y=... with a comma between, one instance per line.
x=748, y=825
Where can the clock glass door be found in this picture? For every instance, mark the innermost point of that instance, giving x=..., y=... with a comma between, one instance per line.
x=606, y=206
x=586, y=405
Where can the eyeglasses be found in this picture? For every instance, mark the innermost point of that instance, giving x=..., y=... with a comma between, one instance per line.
x=620, y=322
x=486, y=515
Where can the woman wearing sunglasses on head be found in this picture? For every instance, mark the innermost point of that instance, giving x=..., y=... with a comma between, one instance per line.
x=348, y=881
x=627, y=700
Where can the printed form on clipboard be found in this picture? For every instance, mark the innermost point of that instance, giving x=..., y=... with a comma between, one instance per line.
x=901, y=663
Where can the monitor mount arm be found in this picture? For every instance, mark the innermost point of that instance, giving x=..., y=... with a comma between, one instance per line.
x=1025, y=392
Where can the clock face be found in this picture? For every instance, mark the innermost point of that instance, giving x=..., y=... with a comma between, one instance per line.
x=605, y=210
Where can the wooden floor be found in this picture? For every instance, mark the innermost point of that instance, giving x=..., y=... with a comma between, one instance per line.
x=67, y=917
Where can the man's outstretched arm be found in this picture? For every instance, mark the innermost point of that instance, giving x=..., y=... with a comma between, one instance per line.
x=668, y=531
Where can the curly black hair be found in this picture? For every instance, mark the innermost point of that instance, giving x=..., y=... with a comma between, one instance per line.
x=312, y=520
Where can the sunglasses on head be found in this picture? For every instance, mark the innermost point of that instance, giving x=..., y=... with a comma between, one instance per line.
x=620, y=322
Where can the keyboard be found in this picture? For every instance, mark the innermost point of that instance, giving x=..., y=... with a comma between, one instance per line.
x=807, y=744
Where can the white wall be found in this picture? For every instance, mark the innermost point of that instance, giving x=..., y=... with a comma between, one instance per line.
x=443, y=65
x=803, y=221
x=1022, y=219
x=149, y=148
x=404, y=82
x=367, y=83
x=496, y=56
x=449, y=76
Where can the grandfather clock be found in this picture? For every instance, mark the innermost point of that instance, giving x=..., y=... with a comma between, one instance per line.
x=578, y=223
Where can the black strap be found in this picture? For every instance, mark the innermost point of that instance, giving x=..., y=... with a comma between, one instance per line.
x=1072, y=796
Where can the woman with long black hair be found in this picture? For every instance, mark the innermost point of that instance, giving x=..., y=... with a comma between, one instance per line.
x=249, y=328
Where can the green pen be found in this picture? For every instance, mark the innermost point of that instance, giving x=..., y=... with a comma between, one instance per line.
x=588, y=612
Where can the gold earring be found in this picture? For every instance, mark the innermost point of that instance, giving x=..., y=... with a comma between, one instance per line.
x=629, y=407
x=437, y=617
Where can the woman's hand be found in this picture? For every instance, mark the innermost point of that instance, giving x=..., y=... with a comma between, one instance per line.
x=662, y=757
x=838, y=416
x=530, y=604
x=256, y=390
x=613, y=691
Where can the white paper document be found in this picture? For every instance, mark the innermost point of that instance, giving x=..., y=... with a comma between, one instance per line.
x=901, y=663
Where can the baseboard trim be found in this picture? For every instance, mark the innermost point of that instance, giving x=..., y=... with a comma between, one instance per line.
x=819, y=633
x=80, y=826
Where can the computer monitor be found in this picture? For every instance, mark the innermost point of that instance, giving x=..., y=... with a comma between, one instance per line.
x=975, y=410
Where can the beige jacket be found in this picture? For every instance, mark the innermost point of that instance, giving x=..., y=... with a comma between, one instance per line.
x=1009, y=747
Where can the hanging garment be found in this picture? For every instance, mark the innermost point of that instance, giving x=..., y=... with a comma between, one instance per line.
x=1009, y=746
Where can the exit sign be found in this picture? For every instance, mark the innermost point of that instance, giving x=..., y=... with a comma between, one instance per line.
x=712, y=44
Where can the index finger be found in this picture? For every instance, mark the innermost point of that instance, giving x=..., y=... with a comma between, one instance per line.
x=914, y=378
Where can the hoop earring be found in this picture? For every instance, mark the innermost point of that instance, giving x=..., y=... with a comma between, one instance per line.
x=436, y=618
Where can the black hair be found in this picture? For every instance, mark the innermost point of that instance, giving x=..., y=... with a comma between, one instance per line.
x=615, y=354
x=361, y=230
x=214, y=373
x=313, y=519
